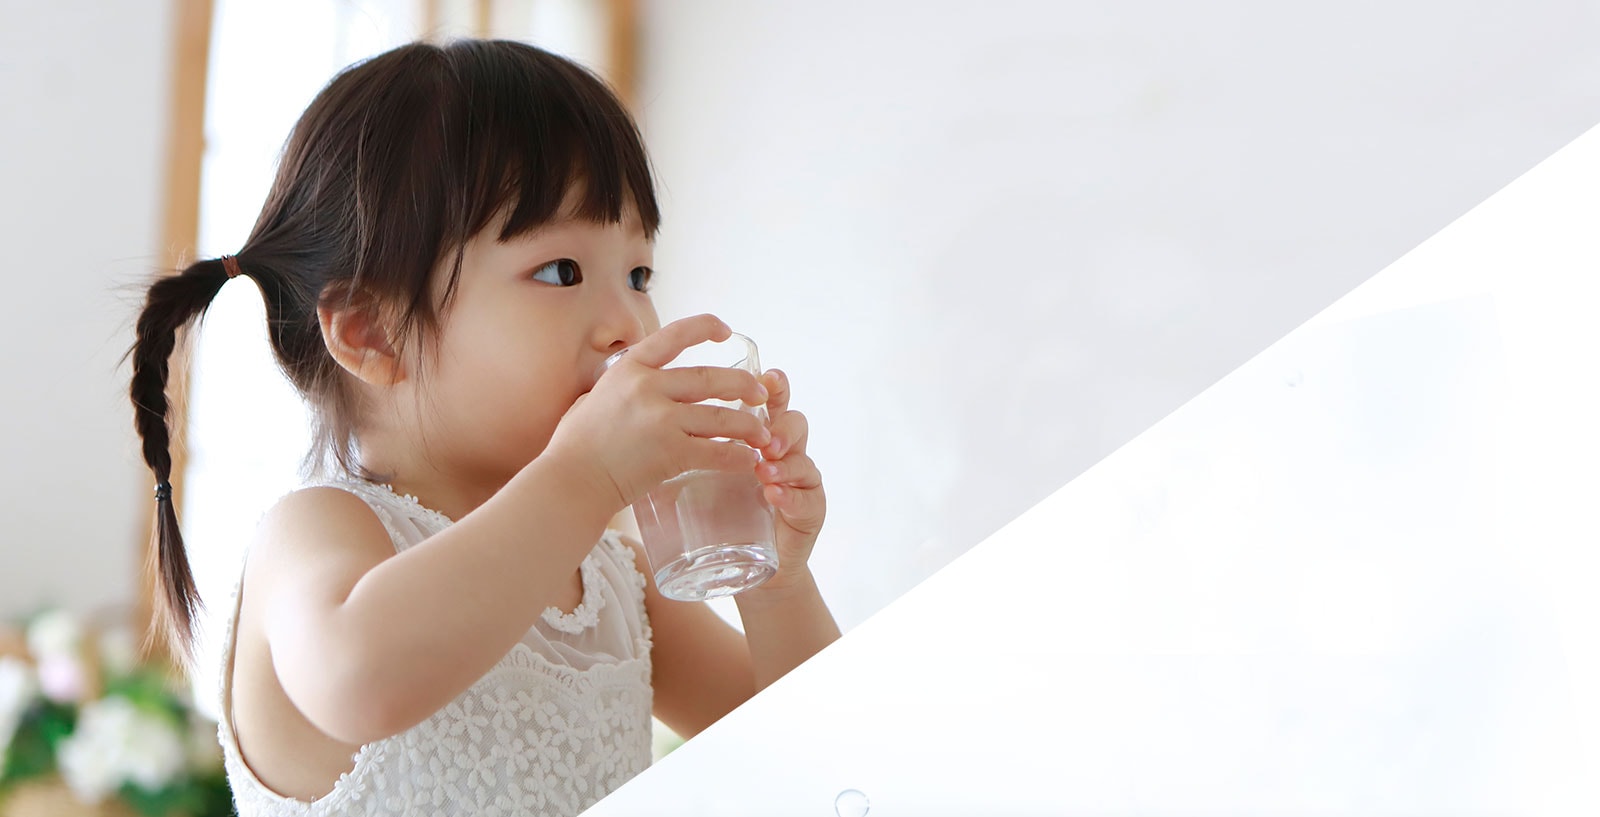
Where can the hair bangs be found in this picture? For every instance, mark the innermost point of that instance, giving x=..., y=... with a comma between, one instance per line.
x=540, y=126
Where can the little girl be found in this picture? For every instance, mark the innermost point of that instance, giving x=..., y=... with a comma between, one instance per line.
x=441, y=622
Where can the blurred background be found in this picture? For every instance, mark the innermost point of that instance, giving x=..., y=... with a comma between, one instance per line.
x=990, y=243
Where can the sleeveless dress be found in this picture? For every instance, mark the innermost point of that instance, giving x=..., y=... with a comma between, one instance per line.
x=559, y=722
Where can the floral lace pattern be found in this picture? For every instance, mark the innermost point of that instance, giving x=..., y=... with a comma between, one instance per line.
x=587, y=613
x=582, y=617
x=535, y=735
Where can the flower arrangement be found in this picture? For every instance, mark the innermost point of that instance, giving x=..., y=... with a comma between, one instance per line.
x=85, y=724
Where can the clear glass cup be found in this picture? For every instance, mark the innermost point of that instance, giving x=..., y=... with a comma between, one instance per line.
x=709, y=533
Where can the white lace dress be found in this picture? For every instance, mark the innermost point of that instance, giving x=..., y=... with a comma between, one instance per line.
x=561, y=721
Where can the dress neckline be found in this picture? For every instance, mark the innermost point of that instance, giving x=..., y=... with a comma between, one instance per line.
x=582, y=617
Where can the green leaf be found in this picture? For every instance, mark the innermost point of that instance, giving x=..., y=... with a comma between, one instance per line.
x=218, y=795
x=33, y=748
x=150, y=692
x=171, y=800
x=56, y=721
x=189, y=796
x=30, y=756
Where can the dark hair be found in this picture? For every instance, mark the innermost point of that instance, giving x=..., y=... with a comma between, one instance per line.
x=398, y=161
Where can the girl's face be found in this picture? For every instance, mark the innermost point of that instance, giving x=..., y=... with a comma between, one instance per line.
x=530, y=324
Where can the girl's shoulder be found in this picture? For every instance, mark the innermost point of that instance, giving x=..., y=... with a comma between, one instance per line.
x=321, y=521
x=406, y=520
x=373, y=495
x=310, y=547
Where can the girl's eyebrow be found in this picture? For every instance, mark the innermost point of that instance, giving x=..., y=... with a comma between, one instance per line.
x=632, y=226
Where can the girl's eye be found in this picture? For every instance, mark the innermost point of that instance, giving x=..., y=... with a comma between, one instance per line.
x=566, y=272
x=640, y=278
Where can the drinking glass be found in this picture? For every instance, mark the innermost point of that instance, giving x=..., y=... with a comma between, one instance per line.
x=710, y=533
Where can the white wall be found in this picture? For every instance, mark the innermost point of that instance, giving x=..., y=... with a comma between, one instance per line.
x=84, y=90
x=992, y=242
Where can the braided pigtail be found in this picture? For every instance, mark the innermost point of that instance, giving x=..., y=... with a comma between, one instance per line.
x=171, y=303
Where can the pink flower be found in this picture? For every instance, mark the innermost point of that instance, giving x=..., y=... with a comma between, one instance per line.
x=62, y=678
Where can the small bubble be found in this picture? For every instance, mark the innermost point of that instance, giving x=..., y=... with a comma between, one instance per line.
x=851, y=803
x=1294, y=379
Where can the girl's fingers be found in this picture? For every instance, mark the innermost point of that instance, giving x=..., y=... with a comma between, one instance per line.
x=663, y=346
x=795, y=471
x=777, y=384
x=691, y=384
x=717, y=456
x=802, y=510
x=789, y=432
x=718, y=421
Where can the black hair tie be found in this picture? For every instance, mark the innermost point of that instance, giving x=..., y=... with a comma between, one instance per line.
x=163, y=491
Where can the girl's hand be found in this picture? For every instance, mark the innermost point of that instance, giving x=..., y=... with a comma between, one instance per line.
x=641, y=425
x=790, y=480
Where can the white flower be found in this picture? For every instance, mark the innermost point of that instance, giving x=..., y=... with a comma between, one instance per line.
x=63, y=678
x=52, y=633
x=17, y=688
x=119, y=653
x=115, y=742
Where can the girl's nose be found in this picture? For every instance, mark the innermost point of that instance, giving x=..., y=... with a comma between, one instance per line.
x=620, y=323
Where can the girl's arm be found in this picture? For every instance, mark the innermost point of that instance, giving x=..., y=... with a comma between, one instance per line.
x=785, y=624
x=703, y=667
x=368, y=643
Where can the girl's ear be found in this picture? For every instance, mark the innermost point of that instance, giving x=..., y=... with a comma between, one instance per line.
x=359, y=342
